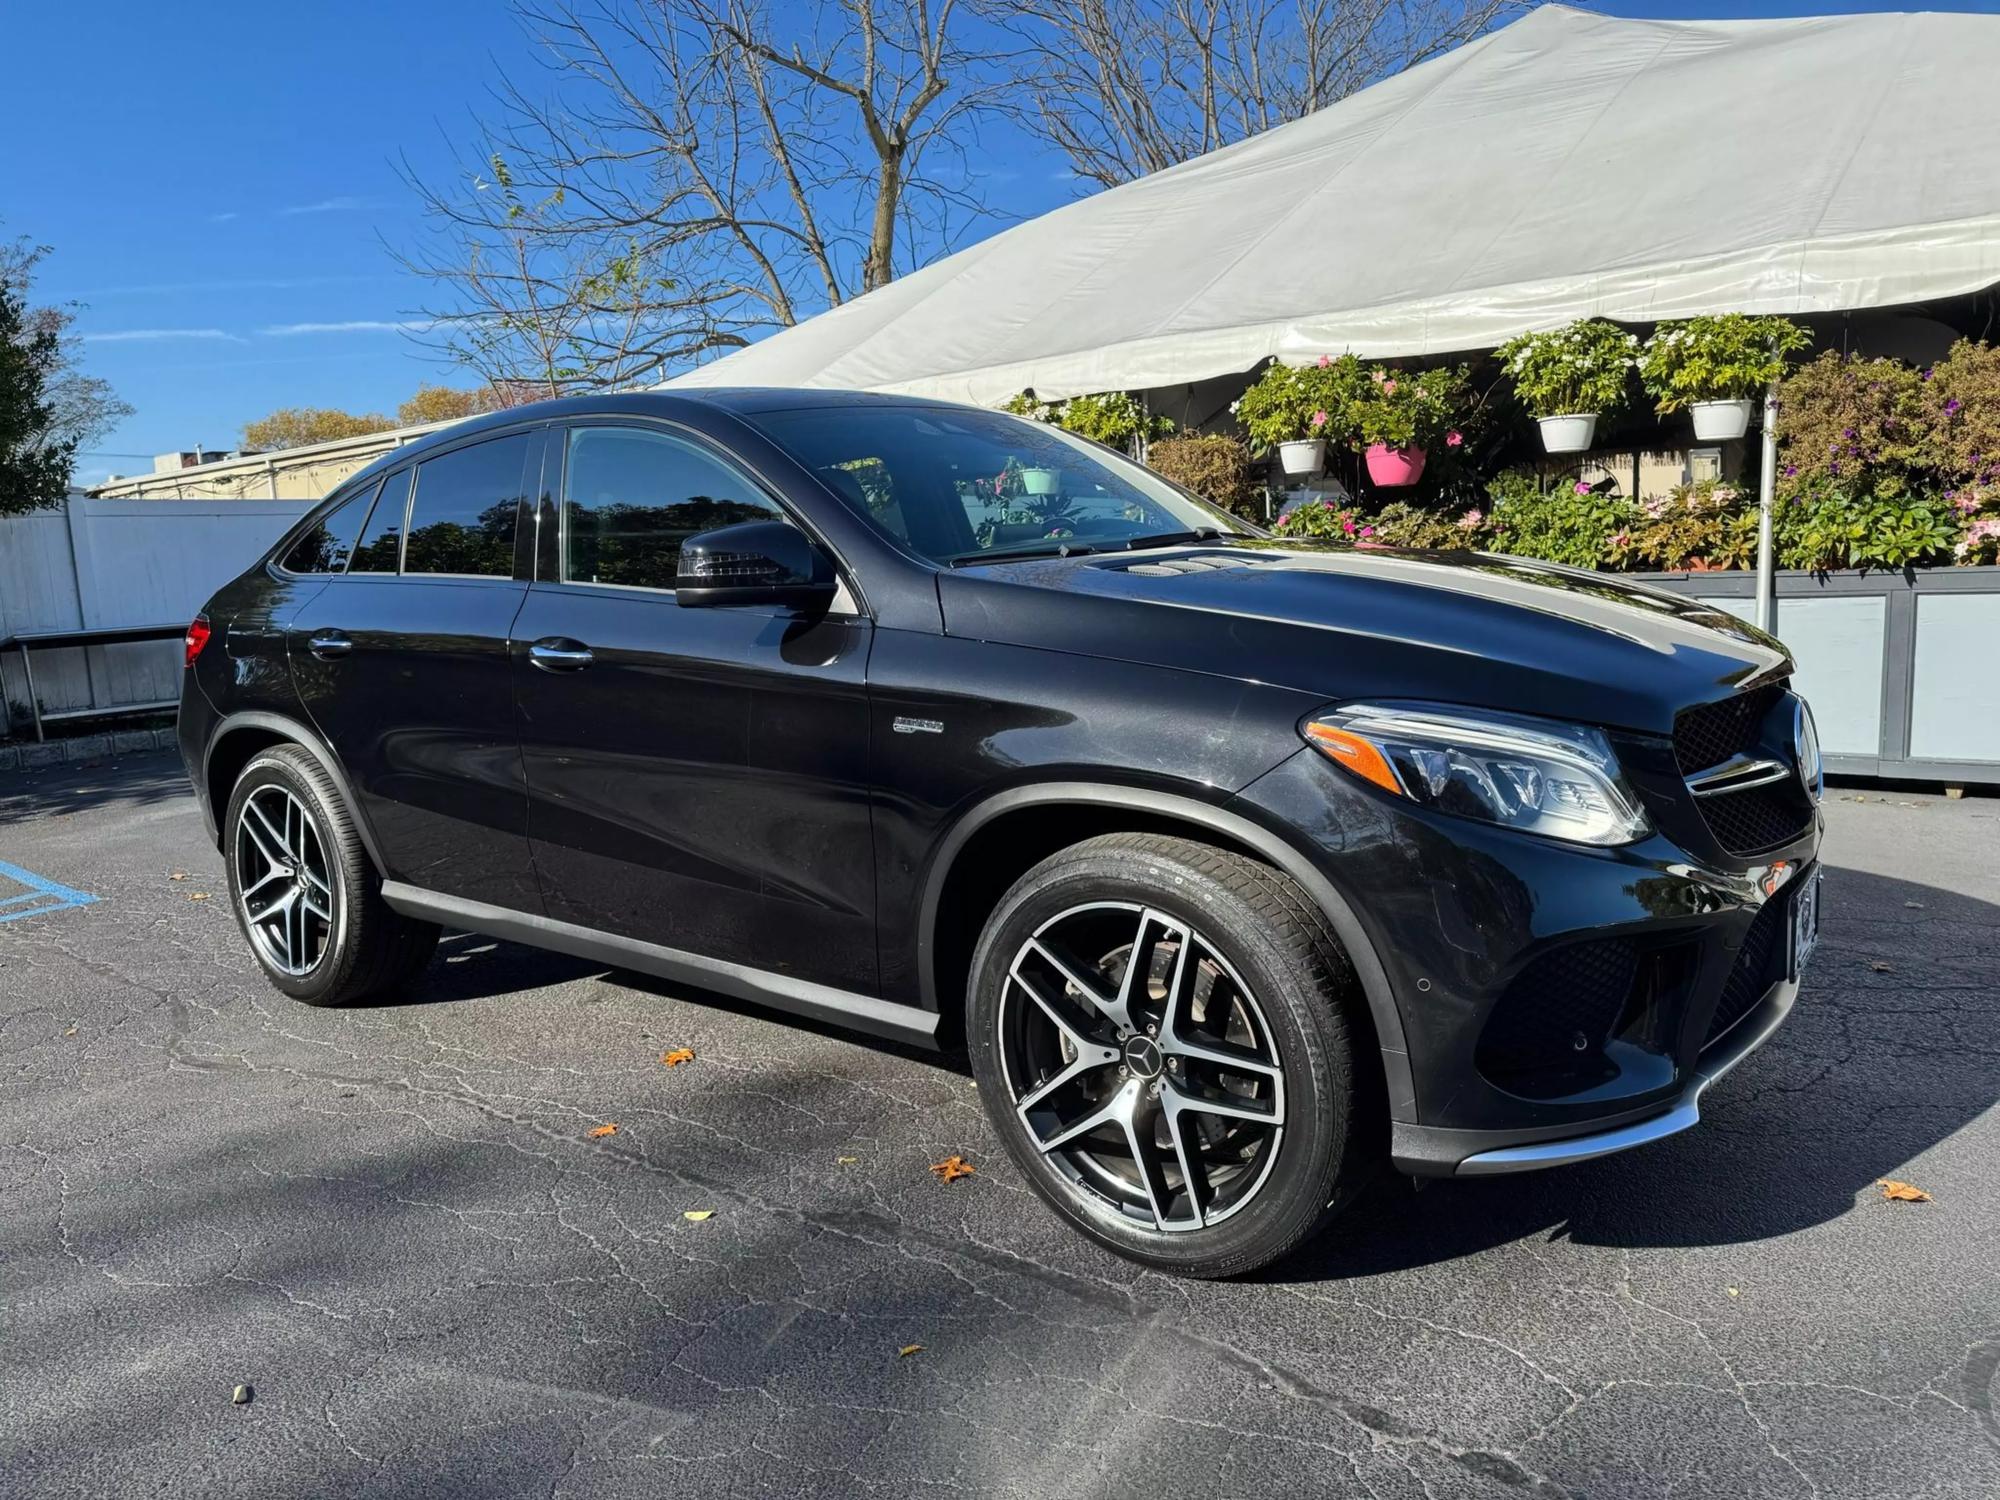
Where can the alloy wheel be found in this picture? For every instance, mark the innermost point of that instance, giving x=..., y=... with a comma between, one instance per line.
x=285, y=891
x=1141, y=1066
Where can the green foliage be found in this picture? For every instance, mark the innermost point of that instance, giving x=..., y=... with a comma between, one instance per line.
x=1322, y=520
x=1725, y=357
x=1407, y=525
x=1696, y=526
x=1840, y=418
x=1115, y=418
x=1287, y=404
x=1566, y=522
x=1572, y=370
x=1403, y=409
x=1215, y=467
x=34, y=465
x=1825, y=527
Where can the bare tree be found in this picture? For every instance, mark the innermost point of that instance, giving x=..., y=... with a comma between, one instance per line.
x=697, y=174
x=1130, y=87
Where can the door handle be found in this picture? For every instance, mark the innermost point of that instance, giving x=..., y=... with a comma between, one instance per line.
x=329, y=644
x=558, y=654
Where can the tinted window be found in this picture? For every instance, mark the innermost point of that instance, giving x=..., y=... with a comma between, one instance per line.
x=382, y=538
x=462, y=520
x=326, y=543
x=631, y=497
x=961, y=485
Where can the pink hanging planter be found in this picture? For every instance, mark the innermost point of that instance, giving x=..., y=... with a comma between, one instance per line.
x=1395, y=468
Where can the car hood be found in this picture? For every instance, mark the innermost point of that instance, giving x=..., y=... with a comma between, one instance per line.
x=1348, y=623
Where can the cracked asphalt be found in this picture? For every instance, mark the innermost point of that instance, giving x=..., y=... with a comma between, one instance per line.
x=396, y=1226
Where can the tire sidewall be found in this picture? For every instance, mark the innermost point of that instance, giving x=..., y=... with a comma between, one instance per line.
x=1311, y=1047
x=273, y=769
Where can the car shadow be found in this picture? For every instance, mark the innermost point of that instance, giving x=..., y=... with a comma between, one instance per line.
x=1888, y=1052
x=139, y=779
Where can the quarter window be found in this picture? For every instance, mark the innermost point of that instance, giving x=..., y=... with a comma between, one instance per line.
x=325, y=546
x=381, y=543
x=467, y=502
x=631, y=497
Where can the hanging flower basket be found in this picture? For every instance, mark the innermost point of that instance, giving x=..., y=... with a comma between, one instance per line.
x=1719, y=421
x=1569, y=434
x=1040, y=481
x=1303, y=457
x=1395, y=468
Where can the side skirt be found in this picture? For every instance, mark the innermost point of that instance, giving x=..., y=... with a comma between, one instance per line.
x=903, y=1023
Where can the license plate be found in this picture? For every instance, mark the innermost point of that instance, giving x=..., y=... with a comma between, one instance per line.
x=1805, y=922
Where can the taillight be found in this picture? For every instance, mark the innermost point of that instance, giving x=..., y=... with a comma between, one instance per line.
x=196, y=637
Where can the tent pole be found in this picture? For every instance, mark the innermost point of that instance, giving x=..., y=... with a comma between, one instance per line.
x=1767, y=601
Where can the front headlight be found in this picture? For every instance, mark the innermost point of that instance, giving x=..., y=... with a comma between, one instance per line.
x=1537, y=775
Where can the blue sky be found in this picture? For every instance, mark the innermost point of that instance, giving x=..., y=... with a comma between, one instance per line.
x=219, y=185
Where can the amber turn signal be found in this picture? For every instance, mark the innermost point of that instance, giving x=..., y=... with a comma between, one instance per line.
x=1355, y=753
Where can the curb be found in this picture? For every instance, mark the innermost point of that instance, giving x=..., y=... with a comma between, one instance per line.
x=85, y=747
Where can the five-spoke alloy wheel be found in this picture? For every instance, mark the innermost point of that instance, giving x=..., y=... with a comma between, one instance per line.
x=1160, y=1030
x=284, y=887
x=305, y=892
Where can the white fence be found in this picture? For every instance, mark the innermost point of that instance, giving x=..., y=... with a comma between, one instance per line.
x=99, y=564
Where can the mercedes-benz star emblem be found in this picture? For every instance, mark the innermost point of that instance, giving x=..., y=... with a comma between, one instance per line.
x=1143, y=1057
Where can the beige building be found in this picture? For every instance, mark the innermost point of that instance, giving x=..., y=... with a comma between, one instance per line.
x=305, y=473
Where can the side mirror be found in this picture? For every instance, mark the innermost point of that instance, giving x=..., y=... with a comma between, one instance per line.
x=756, y=562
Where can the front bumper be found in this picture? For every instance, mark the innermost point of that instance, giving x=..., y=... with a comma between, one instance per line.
x=1502, y=951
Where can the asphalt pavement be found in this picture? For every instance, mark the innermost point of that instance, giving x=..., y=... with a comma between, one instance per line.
x=402, y=1229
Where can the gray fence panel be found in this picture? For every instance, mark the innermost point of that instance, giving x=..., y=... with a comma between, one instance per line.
x=1955, y=681
x=94, y=564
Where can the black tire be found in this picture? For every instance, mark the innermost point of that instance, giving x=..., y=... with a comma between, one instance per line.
x=1243, y=920
x=366, y=952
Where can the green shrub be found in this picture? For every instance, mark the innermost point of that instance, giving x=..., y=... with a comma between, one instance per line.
x=1322, y=520
x=1566, y=522
x=1708, y=525
x=1727, y=357
x=1115, y=418
x=1403, y=408
x=1825, y=526
x=1215, y=467
x=1406, y=525
x=1292, y=404
x=1571, y=370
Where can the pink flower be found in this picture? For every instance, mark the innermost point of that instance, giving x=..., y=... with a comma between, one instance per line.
x=1388, y=387
x=1621, y=540
x=1453, y=439
x=1324, y=361
x=1378, y=376
x=1966, y=504
x=1347, y=525
x=1368, y=531
x=1582, y=488
x=1471, y=519
x=1319, y=419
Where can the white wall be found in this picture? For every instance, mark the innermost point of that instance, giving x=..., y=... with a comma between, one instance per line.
x=96, y=564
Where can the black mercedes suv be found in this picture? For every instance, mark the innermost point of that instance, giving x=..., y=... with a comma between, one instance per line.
x=1237, y=866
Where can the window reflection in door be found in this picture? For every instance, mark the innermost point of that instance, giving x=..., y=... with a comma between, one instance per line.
x=631, y=497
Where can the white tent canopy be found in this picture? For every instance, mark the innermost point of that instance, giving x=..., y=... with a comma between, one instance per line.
x=1564, y=166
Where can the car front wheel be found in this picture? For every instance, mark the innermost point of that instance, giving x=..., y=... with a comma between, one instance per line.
x=1159, y=1032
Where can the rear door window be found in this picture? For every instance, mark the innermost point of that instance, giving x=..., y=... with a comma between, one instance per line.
x=380, y=548
x=631, y=497
x=467, y=505
x=326, y=544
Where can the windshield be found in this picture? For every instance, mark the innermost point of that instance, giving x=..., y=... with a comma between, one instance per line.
x=962, y=486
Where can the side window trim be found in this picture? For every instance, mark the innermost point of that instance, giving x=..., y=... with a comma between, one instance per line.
x=319, y=516
x=402, y=532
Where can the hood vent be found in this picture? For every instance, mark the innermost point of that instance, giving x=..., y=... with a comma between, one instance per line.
x=1188, y=564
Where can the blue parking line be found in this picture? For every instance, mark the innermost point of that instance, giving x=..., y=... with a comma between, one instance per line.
x=50, y=895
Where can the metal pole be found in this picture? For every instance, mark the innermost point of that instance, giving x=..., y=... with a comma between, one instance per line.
x=1767, y=595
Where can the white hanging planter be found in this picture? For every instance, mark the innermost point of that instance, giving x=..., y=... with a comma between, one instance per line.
x=1569, y=434
x=1719, y=421
x=1303, y=455
x=1040, y=481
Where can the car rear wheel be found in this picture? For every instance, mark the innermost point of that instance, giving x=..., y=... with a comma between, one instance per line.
x=304, y=891
x=1159, y=1032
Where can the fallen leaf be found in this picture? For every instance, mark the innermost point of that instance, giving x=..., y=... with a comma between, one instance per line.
x=951, y=1168
x=847, y=1161
x=1914, y=905
x=70, y=1032
x=178, y=875
x=1732, y=1291
x=698, y=1214
x=242, y=1395
x=603, y=1130
x=678, y=1056
x=1879, y=967
x=1902, y=1192
x=908, y=1349
x=197, y=895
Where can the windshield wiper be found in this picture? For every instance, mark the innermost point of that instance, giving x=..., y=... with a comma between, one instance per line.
x=1017, y=554
x=1178, y=538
